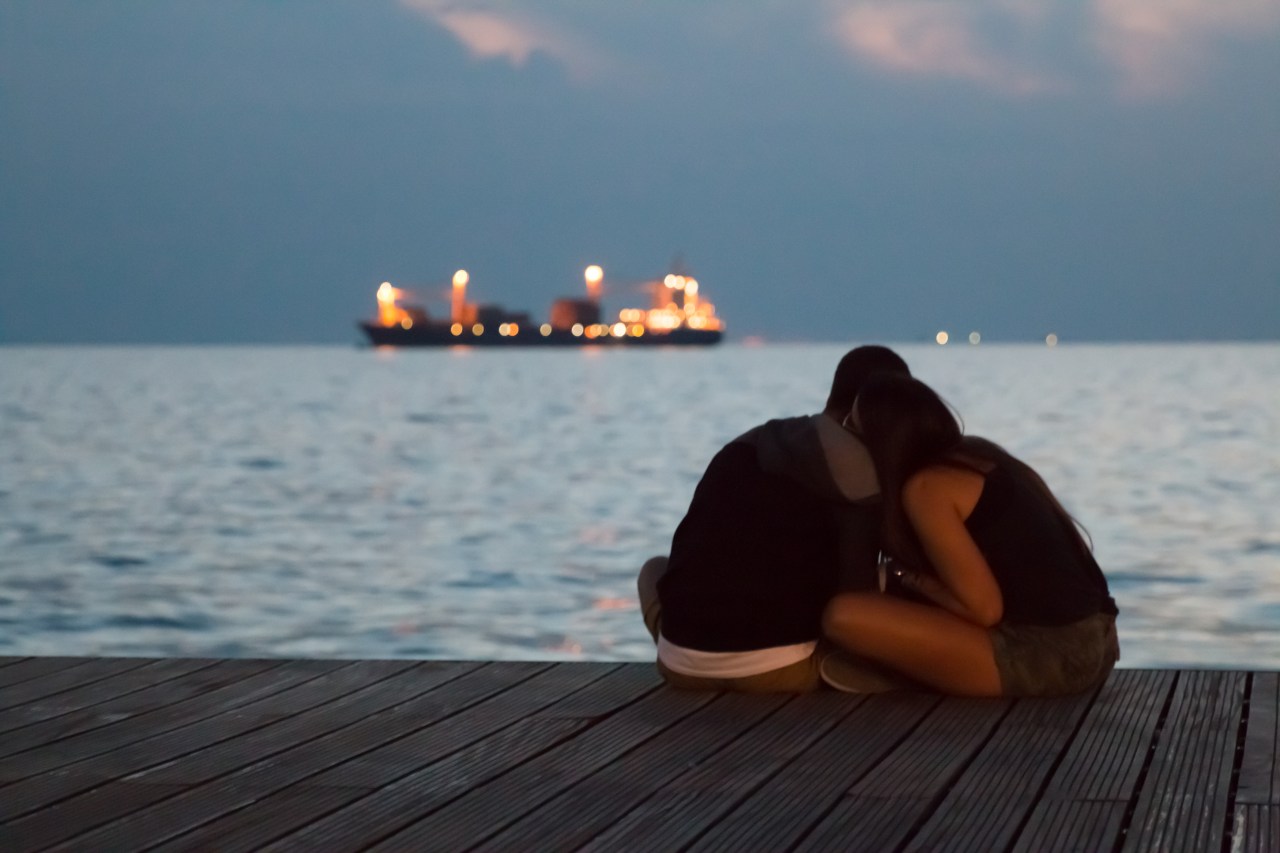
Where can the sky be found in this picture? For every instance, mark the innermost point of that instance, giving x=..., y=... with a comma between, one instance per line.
x=218, y=171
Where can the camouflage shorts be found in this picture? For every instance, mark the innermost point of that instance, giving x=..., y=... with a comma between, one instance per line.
x=1057, y=660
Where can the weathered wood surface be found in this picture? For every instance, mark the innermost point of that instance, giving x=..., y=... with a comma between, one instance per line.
x=131, y=754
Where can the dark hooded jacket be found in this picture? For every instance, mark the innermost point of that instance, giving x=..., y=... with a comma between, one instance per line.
x=784, y=516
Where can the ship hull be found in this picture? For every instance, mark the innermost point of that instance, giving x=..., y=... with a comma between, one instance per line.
x=433, y=335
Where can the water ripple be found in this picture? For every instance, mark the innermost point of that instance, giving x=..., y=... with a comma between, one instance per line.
x=354, y=503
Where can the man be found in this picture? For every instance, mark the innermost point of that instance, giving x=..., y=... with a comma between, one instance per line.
x=784, y=516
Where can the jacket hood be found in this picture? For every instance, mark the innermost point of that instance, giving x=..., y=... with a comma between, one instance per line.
x=817, y=453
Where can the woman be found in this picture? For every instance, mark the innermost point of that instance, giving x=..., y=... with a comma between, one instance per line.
x=1022, y=608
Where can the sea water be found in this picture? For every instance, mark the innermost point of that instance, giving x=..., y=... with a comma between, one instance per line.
x=359, y=503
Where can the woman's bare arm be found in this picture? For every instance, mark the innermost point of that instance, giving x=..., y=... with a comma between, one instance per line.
x=931, y=588
x=937, y=501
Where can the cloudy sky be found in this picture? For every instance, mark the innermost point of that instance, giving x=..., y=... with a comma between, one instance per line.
x=222, y=171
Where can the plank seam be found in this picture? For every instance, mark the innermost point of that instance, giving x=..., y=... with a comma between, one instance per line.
x=1132, y=807
x=1237, y=761
x=764, y=780
x=41, y=697
x=588, y=724
x=853, y=783
x=386, y=840
x=710, y=757
x=1053, y=770
x=303, y=780
x=59, y=742
x=927, y=813
x=107, y=699
x=89, y=788
x=301, y=744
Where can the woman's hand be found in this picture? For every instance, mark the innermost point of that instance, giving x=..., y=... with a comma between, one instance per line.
x=927, y=586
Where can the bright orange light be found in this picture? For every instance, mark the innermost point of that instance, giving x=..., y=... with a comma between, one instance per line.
x=456, y=329
x=669, y=281
x=513, y=329
x=458, y=305
x=669, y=317
x=389, y=313
x=406, y=323
x=477, y=329
x=691, y=286
x=637, y=330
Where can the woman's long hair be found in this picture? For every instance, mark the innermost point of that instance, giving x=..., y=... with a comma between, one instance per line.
x=907, y=427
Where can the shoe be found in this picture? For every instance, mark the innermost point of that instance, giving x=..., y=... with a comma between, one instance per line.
x=851, y=674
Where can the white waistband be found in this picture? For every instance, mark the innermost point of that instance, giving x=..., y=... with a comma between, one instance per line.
x=730, y=664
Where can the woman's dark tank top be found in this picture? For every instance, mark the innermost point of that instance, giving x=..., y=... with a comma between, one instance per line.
x=1045, y=578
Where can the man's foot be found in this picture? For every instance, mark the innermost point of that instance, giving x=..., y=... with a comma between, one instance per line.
x=857, y=675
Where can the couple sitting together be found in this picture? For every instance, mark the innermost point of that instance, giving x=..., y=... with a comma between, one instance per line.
x=775, y=581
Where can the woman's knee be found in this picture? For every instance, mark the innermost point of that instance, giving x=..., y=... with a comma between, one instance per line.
x=841, y=618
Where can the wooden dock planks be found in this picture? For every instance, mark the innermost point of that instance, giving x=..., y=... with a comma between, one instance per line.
x=129, y=754
x=1256, y=822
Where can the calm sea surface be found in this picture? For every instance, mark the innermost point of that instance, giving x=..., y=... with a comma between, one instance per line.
x=342, y=502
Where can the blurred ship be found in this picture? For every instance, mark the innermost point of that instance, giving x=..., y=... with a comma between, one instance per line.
x=677, y=316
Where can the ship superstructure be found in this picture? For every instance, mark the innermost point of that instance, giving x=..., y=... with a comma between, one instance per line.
x=677, y=315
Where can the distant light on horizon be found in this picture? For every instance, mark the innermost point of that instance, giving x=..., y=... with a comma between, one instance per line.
x=460, y=278
x=975, y=338
x=1051, y=340
x=942, y=338
x=593, y=274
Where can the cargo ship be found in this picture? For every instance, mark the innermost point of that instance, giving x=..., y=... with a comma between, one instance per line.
x=678, y=315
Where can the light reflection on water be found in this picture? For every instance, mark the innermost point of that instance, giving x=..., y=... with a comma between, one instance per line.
x=452, y=504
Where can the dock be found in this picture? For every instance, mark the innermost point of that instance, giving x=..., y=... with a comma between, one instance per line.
x=190, y=754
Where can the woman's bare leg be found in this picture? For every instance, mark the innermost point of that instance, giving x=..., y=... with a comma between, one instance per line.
x=921, y=641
